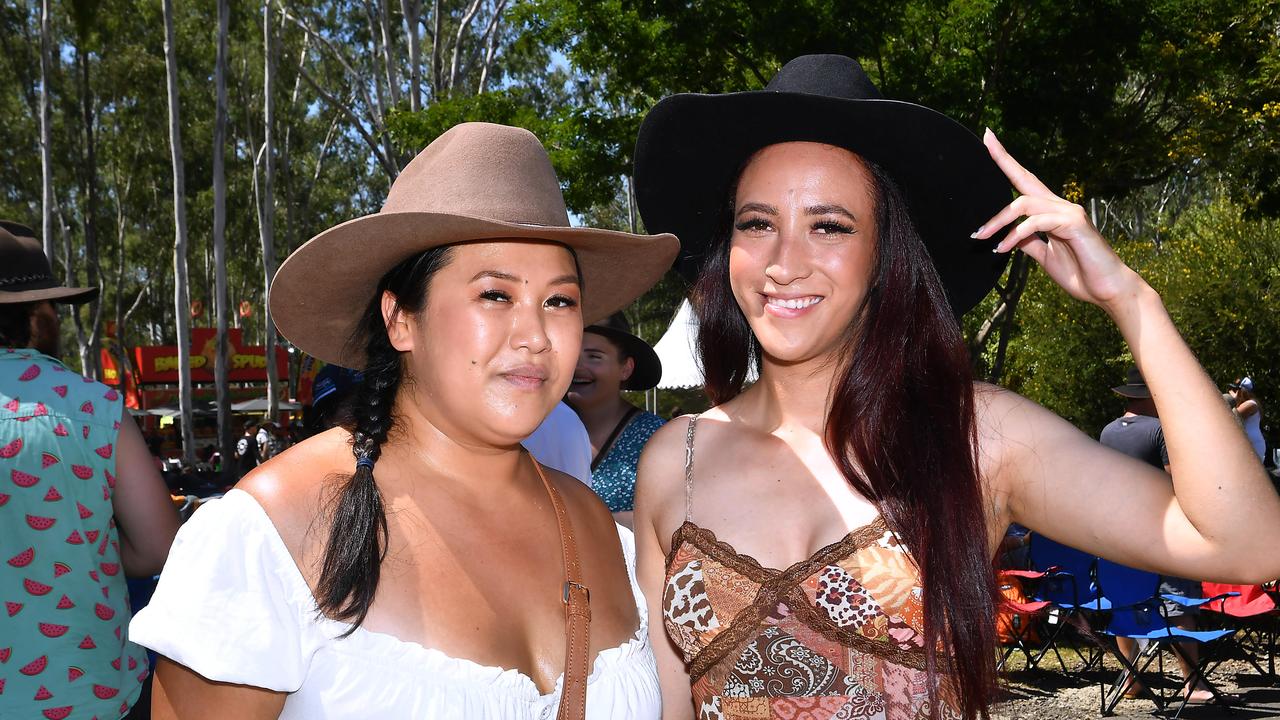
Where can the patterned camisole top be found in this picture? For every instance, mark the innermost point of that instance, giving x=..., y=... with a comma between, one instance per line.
x=837, y=635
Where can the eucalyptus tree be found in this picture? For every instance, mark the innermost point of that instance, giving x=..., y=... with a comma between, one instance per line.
x=221, y=370
x=182, y=301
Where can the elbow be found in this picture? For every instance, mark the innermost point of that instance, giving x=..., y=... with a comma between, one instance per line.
x=149, y=559
x=145, y=564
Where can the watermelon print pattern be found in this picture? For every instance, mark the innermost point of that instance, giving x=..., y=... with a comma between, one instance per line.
x=64, y=651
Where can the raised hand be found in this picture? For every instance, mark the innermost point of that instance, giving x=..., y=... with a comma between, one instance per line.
x=1058, y=235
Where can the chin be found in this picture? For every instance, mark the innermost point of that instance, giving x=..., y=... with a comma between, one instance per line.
x=789, y=352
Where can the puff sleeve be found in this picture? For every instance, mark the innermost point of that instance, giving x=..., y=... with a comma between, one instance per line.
x=231, y=604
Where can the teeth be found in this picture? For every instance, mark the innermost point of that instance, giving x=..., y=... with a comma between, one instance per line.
x=796, y=303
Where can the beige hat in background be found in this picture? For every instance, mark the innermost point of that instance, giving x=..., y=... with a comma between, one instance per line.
x=477, y=181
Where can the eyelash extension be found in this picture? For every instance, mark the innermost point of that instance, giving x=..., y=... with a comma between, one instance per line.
x=751, y=224
x=832, y=226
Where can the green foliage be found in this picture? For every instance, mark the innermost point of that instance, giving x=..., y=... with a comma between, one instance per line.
x=583, y=143
x=1219, y=275
x=1218, y=272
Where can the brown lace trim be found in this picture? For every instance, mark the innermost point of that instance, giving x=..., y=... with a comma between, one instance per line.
x=781, y=585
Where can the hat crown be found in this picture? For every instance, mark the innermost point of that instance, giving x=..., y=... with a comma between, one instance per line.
x=23, y=259
x=616, y=321
x=482, y=170
x=837, y=76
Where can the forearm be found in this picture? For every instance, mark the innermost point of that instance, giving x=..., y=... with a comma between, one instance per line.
x=1219, y=484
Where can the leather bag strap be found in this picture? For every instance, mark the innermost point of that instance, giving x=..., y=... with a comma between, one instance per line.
x=577, y=614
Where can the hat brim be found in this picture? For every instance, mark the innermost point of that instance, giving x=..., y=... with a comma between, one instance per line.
x=321, y=291
x=648, y=367
x=690, y=147
x=68, y=295
x=1135, y=392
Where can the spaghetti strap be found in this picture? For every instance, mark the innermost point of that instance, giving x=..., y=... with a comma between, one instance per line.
x=688, y=468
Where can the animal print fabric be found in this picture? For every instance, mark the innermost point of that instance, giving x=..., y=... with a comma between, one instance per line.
x=838, y=635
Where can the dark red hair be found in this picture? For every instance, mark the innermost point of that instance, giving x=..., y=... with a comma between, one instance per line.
x=901, y=428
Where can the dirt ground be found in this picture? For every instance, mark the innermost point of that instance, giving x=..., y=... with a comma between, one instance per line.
x=1049, y=693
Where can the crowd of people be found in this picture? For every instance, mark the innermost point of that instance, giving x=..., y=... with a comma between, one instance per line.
x=479, y=524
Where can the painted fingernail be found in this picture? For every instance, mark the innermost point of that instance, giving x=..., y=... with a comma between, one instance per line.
x=978, y=232
x=988, y=132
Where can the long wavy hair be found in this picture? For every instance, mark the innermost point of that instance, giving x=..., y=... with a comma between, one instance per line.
x=901, y=428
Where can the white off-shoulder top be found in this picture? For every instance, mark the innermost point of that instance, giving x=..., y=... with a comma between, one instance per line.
x=233, y=607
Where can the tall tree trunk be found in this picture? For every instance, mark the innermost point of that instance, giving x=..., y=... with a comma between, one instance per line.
x=90, y=355
x=491, y=44
x=388, y=52
x=46, y=132
x=222, y=366
x=412, y=12
x=464, y=26
x=268, y=206
x=437, y=87
x=181, y=300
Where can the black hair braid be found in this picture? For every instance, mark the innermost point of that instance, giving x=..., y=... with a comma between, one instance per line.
x=358, y=529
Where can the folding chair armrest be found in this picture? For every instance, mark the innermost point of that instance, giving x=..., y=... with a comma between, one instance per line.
x=1187, y=602
x=1023, y=574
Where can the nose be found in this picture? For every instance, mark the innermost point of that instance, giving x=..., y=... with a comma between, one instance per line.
x=789, y=260
x=529, y=329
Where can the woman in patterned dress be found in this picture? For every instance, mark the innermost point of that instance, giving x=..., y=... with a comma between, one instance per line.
x=613, y=360
x=830, y=234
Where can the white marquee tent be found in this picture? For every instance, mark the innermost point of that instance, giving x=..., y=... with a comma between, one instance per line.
x=679, y=354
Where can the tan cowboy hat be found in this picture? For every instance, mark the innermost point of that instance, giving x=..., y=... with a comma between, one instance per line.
x=25, y=274
x=477, y=181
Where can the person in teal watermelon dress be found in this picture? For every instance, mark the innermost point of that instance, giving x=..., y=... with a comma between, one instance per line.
x=81, y=506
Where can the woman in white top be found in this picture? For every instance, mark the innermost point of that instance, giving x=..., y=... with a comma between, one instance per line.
x=1250, y=413
x=428, y=583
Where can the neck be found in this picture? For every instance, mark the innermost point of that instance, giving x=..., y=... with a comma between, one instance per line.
x=423, y=444
x=604, y=416
x=794, y=395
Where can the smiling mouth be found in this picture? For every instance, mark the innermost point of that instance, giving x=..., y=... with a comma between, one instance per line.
x=799, y=303
x=578, y=383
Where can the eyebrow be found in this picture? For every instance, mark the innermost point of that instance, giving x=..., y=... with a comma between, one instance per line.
x=830, y=209
x=824, y=209
x=568, y=279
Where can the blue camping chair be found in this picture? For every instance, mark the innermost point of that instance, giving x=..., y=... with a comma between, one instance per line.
x=1138, y=612
x=1066, y=582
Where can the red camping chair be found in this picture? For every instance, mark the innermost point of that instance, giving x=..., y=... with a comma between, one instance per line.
x=1018, y=619
x=1254, y=612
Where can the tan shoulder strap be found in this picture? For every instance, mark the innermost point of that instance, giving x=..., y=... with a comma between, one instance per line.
x=577, y=614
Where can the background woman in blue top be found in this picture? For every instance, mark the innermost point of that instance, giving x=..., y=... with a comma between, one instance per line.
x=613, y=360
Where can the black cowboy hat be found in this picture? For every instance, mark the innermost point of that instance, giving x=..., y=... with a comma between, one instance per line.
x=1135, y=386
x=648, y=369
x=25, y=274
x=691, y=147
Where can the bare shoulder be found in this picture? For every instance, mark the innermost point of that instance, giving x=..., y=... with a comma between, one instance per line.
x=660, y=474
x=662, y=462
x=592, y=522
x=293, y=486
x=1004, y=416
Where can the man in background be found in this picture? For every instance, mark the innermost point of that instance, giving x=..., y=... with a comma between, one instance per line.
x=82, y=506
x=1138, y=434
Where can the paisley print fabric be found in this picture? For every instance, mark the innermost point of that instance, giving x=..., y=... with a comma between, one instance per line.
x=838, y=635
